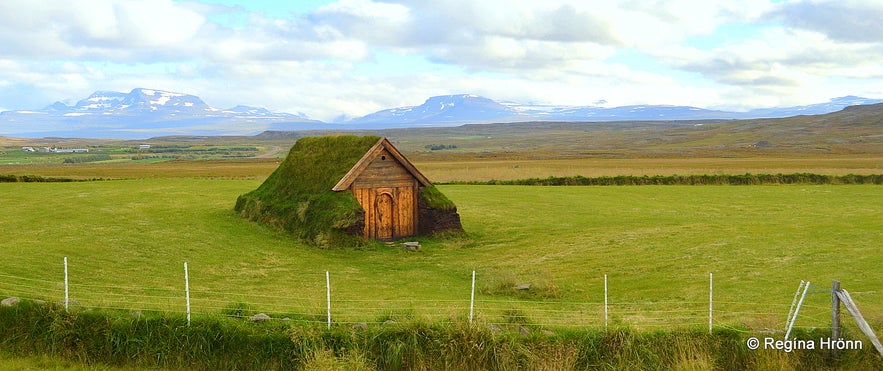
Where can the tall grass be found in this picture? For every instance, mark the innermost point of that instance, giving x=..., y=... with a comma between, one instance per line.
x=146, y=340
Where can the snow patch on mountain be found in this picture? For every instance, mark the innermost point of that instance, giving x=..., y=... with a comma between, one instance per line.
x=151, y=112
x=141, y=112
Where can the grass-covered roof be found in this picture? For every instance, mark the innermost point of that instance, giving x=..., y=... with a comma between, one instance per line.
x=297, y=196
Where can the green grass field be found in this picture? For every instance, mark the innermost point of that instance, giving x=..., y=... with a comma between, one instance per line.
x=127, y=240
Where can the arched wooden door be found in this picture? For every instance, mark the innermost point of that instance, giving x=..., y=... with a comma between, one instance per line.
x=385, y=216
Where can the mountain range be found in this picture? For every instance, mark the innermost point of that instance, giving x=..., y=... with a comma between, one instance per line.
x=144, y=113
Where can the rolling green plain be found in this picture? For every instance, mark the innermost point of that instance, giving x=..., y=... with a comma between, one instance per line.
x=126, y=241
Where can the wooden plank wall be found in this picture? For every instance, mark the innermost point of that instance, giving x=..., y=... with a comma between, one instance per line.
x=385, y=174
x=405, y=200
x=366, y=199
x=406, y=203
x=384, y=171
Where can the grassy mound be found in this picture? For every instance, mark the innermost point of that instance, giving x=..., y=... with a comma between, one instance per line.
x=434, y=199
x=297, y=197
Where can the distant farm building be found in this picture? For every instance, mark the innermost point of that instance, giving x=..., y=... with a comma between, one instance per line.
x=330, y=190
x=61, y=150
x=70, y=150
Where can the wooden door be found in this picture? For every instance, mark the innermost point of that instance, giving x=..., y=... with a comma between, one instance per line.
x=385, y=216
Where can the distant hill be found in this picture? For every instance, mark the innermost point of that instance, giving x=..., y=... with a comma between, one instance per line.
x=853, y=130
x=144, y=113
x=453, y=110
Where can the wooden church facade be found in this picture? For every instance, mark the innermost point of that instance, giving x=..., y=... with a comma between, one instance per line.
x=387, y=187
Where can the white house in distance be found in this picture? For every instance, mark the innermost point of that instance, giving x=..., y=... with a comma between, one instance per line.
x=69, y=150
x=55, y=150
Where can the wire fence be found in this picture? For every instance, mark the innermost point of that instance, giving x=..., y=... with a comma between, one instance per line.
x=324, y=307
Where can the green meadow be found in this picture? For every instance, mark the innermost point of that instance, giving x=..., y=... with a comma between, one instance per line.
x=126, y=242
x=540, y=254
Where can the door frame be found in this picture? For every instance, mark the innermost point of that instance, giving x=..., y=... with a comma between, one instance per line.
x=380, y=193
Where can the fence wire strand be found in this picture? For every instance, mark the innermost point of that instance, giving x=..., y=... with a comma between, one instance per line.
x=652, y=314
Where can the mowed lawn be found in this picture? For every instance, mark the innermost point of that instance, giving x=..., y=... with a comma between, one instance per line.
x=126, y=242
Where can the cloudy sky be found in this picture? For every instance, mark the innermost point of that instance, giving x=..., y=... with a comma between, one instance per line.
x=329, y=59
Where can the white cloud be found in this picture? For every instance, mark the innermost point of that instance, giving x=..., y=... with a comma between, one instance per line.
x=117, y=30
x=753, y=52
x=136, y=23
x=845, y=20
x=782, y=55
x=381, y=11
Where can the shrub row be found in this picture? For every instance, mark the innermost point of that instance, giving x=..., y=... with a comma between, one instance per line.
x=30, y=179
x=439, y=147
x=216, y=342
x=723, y=179
x=87, y=158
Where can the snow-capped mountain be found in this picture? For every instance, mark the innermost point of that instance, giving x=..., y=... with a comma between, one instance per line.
x=833, y=105
x=444, y=109
x=450, y=110
x=144, y=113
x=139, y=101
x=138, y=114
x=624, y=113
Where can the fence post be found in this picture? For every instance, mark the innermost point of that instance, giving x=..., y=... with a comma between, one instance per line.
x=863, y=325
x=835, y=315
x=797, y=310
x=187, y=291
x=605, y=302
x=328, y=294
x=472, y=300
x=710, y=299
x=793, y=304
x=66, y=296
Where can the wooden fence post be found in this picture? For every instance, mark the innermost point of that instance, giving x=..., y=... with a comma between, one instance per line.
x=835, y=315
x=863, y=325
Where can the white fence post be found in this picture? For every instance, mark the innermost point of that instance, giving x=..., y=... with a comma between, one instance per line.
x=797, y=310
x=66, y=296
x=187, y=291
x=472, y=299
x=794, y=304
x=605, y=302
x=328, y=294
x=710, y=299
